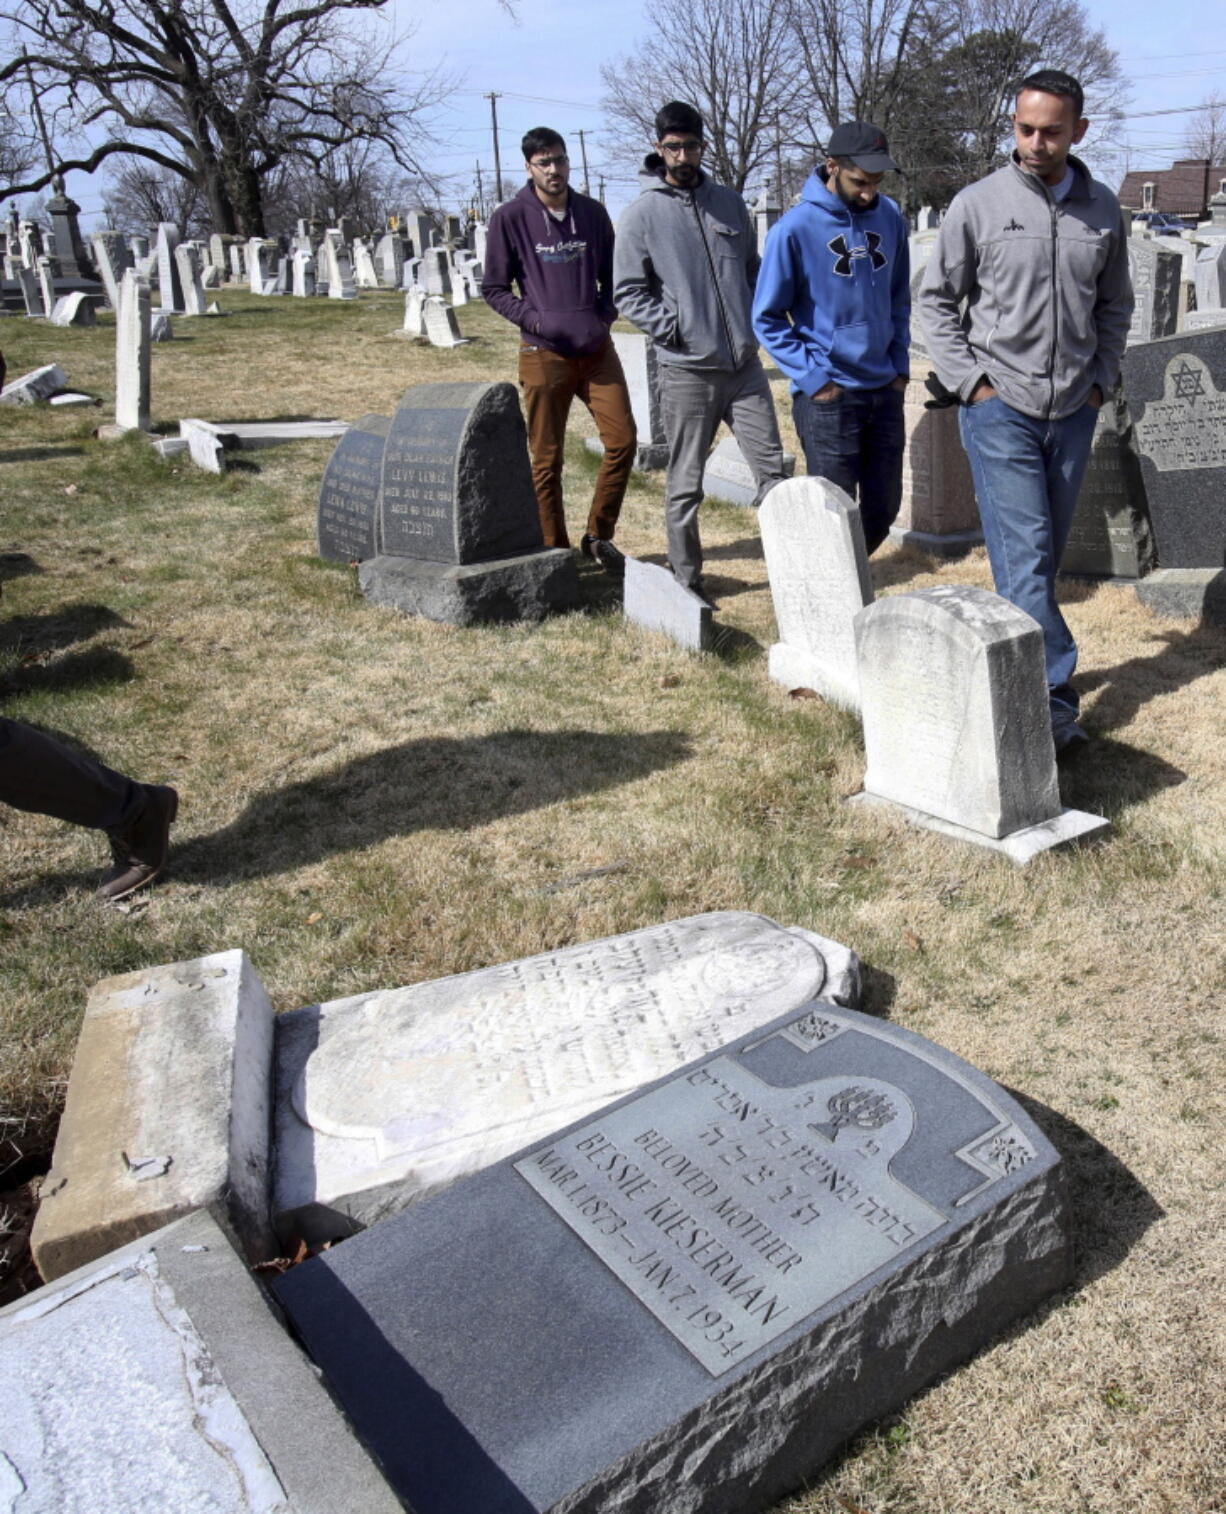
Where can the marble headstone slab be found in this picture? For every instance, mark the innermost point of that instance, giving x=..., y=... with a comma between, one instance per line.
x=159, y=1378
x=133, y=334
x=639, y=364
x=939, y=512
x=31, y=292
x=338, y=270
x=1110, y=535
x=76, y=309
x=37, y=385
x=188, y=263
x=170, y=288
x=819, y=580
x=414, y=312
x=1211, y=276
x=652, y=598
x=383, y=1098
x=686, y=1301
x=348, y=519
x=1176, y=392
x=1156, y=274
x=957, y=730
x=441, y=326
x=728, y=476
x=457, y=485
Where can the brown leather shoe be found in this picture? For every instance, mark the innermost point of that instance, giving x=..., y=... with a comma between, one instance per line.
x=139, y=849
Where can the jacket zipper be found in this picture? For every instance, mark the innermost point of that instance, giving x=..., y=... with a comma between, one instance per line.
x=723, y=314
x=1055, y=309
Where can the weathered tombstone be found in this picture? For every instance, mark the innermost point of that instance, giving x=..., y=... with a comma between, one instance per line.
x=338, y=269
x=1155, y=285
x=957, y=729
x=389, y=257
x=460, y=534
x=1211, y=276
x=170, y=288
x=211, y=278
x=348, y=519
x=139, y=247
x=689, y=1300
x=441, y=326
x=412, y=273
x=304, y=274
x=383, y=1099
x=188, y=268
x=365, y=275
x=638, y=360
x=46, y=281
x=435, y=271
x=76, y=309
x=70, y=251
x=257, y=270
x=1176, y=391
x=217, y=251
x=939, y=512
x=1203, y=320
x=159, y=1377
x=819, y=580
x=420, y=228
x=414, y=312
x=132, y=359
x=652, y=598
x=459, y=289
x=728, y=477
x=238, y=267
x=162, y=328
x=109, y=270
x=31, y=292
x=1110, y=535
x=33, y=387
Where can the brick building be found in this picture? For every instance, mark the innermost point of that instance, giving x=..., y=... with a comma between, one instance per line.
x=1184, y=189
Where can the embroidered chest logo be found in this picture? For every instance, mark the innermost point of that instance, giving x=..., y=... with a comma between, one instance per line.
x=1013, y=226
x=845, y=256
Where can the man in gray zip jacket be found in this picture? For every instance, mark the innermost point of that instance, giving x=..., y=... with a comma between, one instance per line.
x=1025, y=304
x=684, y=267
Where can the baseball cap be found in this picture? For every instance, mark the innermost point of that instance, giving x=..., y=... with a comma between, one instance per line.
x=864, y=144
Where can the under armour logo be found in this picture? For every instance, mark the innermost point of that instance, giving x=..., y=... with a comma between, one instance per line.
x=1013, y=226
x=844, y=256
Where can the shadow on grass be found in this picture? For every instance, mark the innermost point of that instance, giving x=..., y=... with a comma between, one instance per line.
x=58, y=628
x=878, y=990
x=437, y=783
x=1185, y=657
x=95, y=667
x=1110, y=776
x=17, y=565
x=38, y=454
x=748, y=546
x=734, y=645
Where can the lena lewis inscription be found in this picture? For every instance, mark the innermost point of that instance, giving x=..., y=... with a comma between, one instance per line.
x=349, y=494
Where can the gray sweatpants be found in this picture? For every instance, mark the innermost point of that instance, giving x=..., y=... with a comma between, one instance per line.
x=693, y=402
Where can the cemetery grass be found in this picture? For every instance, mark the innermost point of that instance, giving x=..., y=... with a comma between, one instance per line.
x=369, y=800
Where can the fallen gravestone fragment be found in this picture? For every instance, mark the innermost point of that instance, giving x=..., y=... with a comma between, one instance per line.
x=653, y=599
x=38, y=385
x=957, y=729
x=687, y=1301
x=819, y=580
x=76, y=309
x=159, y=1378
x=440, y=323
x=167, y=1111
x=384, y=1098
x=459, y=530
x=210, y=440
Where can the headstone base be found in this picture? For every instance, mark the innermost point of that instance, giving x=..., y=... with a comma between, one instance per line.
x=648, y=458
x=1020, y=846
x=1186, y=593
x=949, y=544
x=795, y=668
x=510, y=588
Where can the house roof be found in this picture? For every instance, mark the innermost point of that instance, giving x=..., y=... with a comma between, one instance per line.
x=1183, y=189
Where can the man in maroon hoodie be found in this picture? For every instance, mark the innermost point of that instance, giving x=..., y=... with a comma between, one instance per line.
x=557, y=247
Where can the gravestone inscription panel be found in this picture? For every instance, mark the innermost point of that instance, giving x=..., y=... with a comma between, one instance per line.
x=348, y=520
x=457, y=485
x=1176, y=391
x=1156, y=274
x=1110, y=535
x=729, y=1271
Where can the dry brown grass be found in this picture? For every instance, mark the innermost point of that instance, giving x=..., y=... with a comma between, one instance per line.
x=370, y=800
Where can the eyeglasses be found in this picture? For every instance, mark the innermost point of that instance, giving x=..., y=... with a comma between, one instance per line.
x=681, y=149
x=557, y=161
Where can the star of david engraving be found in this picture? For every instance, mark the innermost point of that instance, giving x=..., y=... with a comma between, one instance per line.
x=1189, y=382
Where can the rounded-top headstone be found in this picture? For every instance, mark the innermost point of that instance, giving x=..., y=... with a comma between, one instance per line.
x=457, y=483
x=347, y=525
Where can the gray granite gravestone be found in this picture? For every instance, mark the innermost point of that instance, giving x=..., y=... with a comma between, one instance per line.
x=1110, y=535
x=686, y=1302
x=159, y=1378
x=348, y=519
x=819, y=580
x=33, y=387
x=1176, y=390
x=1156, y=276
x=170, y=288
x=728, y=477
x=652, y=598
x=638, y=359
x=460, y=535
x=957, y=729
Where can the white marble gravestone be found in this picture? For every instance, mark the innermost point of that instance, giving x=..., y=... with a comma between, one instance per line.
x=728, y=476
x=652, y=598
x=440, y=322
x=819, y=581
x=957, y=729
x=303, y=274
x=365, y=275
x=170, y=289
x=132, y=361
x=383, y=1098
x=107, y=270
x=76, y=309
x=188, y=264
x=638, y=359
x=338, y=269
x=414, y=312
x=1211, y=276
x=46, y=280
x=31, y=292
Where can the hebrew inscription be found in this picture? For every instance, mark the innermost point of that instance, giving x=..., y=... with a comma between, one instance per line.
x=1186, y=428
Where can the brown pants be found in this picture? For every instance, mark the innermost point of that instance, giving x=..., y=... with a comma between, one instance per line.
x=549, y=383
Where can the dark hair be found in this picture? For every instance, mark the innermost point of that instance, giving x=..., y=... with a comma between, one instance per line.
x=1054, y=81
x=677, y=116
x=541, y=137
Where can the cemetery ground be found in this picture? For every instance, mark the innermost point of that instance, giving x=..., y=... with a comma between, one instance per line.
x=369, y=800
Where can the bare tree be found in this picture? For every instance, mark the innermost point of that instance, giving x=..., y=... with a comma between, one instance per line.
x=733, y=60
x=222, y=94
x=140, y=195
x=1206, y=134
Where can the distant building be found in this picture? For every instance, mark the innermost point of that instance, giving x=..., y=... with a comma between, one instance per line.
x=1184, y=189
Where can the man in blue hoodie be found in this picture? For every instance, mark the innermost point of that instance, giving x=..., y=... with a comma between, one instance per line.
x=833, y=308
x=557, y=247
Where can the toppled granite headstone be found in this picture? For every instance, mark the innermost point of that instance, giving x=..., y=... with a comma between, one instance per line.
x=653, y=599
x=36, y=386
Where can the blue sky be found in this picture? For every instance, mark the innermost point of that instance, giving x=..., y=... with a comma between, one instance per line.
x=545, y=67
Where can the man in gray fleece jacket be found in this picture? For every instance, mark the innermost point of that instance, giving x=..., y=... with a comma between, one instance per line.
x=1025, y=304
x=683, y=271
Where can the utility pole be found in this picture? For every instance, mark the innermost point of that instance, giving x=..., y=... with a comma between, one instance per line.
x=587, y=188
x=492, y=97
x=602, y=189
x=481, y=194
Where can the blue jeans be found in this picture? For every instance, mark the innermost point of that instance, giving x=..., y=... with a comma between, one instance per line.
x=856, y=441
x=1027, y=476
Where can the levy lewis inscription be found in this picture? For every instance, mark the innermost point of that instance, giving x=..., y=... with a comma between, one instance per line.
x=730, y=1271
x=347, y=523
